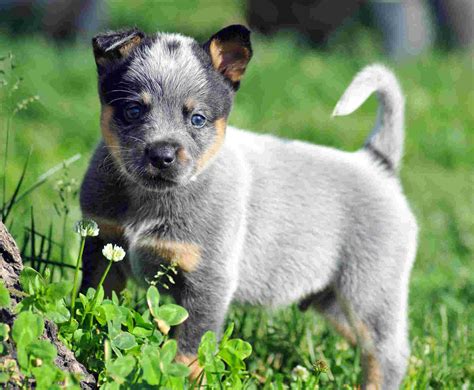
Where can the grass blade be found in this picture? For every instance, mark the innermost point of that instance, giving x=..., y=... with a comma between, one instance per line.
x=53, y=242
x=5, y=161
x=45, y=176
x=33, y=240
x=8, y=206
x=50, y=262
x=49, y=248
x=26, y=239
x=41, y=251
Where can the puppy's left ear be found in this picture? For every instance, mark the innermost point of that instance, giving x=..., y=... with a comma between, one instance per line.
x=230, y=51
x=112, y=47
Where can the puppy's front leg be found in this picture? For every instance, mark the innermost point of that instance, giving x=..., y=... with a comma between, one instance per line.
x=204, y=287
x=206, y=296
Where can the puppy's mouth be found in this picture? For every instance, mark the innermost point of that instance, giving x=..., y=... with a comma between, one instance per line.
x=158, y=180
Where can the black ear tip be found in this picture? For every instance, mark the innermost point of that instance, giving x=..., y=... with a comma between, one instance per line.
x=234, y=30
x=240, y=28
x=99, y=39
x=111, y=37
x=96, y=45
x=94, y=41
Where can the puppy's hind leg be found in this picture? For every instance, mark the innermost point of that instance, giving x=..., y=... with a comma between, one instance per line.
x=368, y=307
x=375, y=310
x=383, y=353
x=338, y=313
x=326, y=303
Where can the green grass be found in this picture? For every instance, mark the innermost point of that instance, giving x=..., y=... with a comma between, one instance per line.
x=291, y=91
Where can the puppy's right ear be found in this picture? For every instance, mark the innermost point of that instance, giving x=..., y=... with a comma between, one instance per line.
x=112, y=47
x=230, y=52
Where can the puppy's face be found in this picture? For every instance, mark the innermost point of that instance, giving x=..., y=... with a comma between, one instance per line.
x=165, y=100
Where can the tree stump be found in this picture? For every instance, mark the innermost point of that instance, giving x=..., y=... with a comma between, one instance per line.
x=10, y=268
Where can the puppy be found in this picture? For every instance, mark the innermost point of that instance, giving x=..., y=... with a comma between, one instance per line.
x=246, y=217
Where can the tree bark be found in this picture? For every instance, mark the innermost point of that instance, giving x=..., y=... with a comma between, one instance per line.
x=10, y=268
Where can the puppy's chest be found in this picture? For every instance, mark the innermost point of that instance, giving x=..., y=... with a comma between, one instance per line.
x=166, y=240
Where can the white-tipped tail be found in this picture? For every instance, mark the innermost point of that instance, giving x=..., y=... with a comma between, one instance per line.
x=385, y=142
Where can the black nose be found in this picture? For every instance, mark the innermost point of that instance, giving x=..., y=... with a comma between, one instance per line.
x=161, y=155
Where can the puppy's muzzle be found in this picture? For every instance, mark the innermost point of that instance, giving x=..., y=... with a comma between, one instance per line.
x=161, y=155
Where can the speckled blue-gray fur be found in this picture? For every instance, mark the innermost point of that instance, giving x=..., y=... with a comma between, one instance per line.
x=246, y=217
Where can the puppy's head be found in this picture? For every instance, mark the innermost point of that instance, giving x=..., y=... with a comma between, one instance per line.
x=165, y=100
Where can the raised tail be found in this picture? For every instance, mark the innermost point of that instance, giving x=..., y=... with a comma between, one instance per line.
x=385, y=143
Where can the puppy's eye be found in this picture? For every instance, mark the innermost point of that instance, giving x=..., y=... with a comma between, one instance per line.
x=133, y=112
x=198, y=121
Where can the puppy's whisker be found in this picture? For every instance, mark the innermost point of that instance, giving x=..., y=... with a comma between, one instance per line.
x=125, y=98
x=119, y=147
x=136, y=139
x=123, y=90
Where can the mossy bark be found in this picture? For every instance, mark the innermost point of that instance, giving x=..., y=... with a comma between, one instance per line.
x=10, y=268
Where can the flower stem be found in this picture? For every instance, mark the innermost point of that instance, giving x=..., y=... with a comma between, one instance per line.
x=101, y=282
x=99, y=286
x=76, y=276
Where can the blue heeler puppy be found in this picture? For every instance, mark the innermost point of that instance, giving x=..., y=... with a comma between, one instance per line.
x=246, y=217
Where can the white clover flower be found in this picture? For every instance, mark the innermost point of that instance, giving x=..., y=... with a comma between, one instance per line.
x=86, y=228
x=113, y=252
x=342, y=345
x=301, y=372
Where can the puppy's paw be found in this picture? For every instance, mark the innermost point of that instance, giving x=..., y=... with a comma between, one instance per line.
x=192, y=362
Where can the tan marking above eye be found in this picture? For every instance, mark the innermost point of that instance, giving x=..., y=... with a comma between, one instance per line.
x=185, y=255
x=220, y=125
x=146, y=98
x=190, y=104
